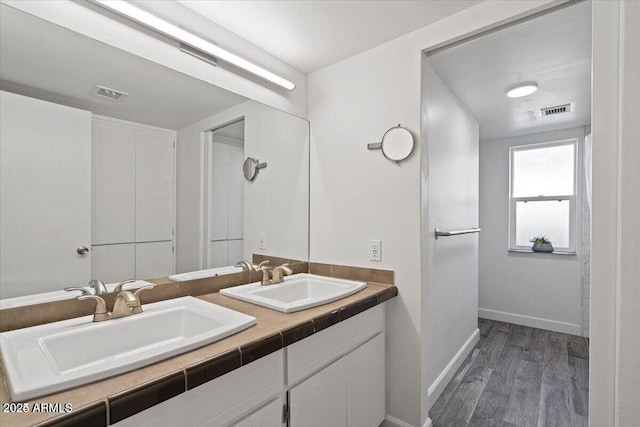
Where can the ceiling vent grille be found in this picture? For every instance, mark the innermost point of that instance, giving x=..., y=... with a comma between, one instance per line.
x=112, y=94
x=558, y=109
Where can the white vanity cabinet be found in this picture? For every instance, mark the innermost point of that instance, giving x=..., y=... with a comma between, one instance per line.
x=132, y=200
x=236, y=397
x=321, y=400
x=335, y=378
x=350, y=390
x=353, y=387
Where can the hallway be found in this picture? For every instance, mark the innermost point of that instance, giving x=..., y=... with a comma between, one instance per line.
x=518, y=376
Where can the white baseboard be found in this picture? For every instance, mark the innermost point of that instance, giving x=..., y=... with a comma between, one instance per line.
x=449, y=371
x=534, y=322
x=390, y=421
x=428, y=423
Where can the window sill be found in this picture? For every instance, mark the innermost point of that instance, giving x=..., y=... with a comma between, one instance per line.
x=529, y=251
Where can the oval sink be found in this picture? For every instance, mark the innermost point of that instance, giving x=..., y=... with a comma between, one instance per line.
x=296, y=293
x=53, y=357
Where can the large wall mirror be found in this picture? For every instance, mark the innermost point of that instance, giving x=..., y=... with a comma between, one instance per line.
x=114, y=167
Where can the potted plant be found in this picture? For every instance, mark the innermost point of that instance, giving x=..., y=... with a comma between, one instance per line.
x=541, y=244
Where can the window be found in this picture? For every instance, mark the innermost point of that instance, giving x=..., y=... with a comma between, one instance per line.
x=542, y=194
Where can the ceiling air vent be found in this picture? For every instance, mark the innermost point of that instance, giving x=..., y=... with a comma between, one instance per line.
x=112, y=94
x=558, y=109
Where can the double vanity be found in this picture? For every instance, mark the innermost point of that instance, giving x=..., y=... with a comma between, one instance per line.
x=249, y=355
x=116, y=166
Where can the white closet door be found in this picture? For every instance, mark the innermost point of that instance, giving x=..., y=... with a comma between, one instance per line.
x=218, y=254
x=219, y=193
x=45, y=195
x=114, y=176
x=236, y=193
x=154, y=260
x=113, y=263
x=235, y=248
x=154, y=185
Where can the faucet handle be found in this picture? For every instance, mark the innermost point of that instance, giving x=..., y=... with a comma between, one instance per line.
x=119, y=286
x=262, y=265
x=137, y=308
x=101, y=312
x=144, y=288
x=75, y=288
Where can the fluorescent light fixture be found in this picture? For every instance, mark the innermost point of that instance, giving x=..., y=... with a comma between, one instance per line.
x=173, y=31
x=522, y=89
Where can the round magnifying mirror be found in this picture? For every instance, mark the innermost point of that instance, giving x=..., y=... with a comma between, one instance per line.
x=397, y=144
x=250, y=168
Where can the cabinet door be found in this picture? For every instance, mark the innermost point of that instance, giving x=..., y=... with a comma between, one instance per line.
x=114, y=177
x=366, y=384
x=269, y=416
x=113, y=263
x=320, y=401
x=154, y=260
x=154, y=185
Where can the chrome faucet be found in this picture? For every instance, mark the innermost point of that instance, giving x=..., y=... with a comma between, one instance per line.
x=278, y=273
x=126, y=303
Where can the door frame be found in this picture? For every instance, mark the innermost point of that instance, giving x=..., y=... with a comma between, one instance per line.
x=606, y=127
x=206, y=176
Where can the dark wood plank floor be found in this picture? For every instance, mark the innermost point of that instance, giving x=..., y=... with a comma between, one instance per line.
x=518, y=376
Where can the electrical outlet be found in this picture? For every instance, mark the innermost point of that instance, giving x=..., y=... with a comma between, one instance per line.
x=375, y=250
x=262, y=241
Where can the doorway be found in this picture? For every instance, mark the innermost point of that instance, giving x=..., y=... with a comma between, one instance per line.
x=527, y=88
x=224, y=194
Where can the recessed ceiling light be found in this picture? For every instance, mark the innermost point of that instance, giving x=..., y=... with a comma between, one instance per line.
x=522, y=89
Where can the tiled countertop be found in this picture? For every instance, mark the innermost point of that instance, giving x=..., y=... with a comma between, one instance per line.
x=126, y=394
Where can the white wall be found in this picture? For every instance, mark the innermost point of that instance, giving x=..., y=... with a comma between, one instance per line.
x=532, y=289
x=449, y=264
x=356, y=195
x=92, y=21
x=275, y=203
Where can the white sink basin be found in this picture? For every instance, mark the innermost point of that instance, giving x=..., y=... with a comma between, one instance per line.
x=53, y=357
x=296, y=293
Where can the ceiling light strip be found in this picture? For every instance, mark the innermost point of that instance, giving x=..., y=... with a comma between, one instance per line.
x=147, y=19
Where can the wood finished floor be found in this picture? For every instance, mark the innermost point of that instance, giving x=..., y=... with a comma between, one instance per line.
x=518, y=376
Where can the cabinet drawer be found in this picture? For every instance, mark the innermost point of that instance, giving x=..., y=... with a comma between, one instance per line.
x=221, y=401
x=311, y=354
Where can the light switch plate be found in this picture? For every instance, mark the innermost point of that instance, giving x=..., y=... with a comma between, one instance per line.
x=262, y=241
x=375, y=250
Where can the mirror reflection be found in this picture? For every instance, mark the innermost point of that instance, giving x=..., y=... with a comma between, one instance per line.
x=114, y=167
